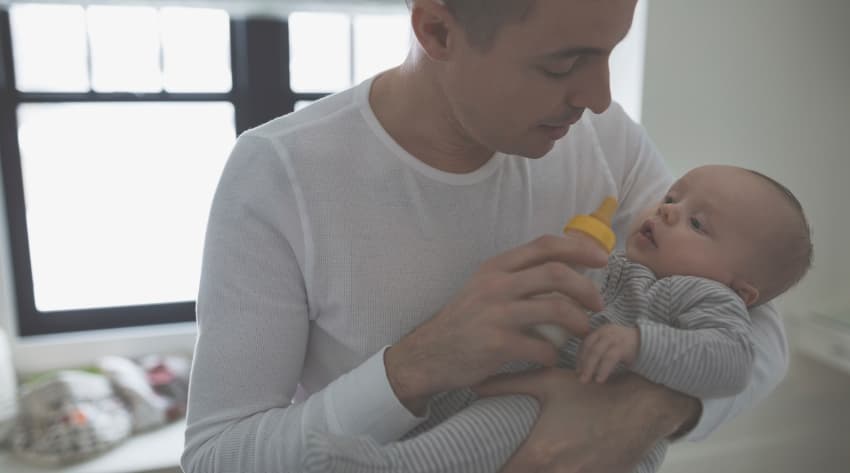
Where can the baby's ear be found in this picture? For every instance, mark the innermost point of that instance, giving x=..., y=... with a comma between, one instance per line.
x=746, y=291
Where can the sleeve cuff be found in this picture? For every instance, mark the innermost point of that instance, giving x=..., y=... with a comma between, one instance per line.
x=362, y=402
x=714, y=413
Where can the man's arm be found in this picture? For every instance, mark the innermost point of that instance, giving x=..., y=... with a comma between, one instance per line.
x=253, y=328
x=611, y=425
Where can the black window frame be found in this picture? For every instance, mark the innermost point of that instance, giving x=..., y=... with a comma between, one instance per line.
x=260, y=91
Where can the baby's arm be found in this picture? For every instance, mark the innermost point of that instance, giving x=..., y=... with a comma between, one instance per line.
x=709, y=352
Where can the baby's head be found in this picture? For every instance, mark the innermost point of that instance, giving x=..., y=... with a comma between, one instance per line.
x=729, y=224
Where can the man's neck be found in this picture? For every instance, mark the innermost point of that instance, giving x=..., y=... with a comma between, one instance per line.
x=414, y=111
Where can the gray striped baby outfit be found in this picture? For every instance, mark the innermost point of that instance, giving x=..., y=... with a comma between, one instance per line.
x=694, y=338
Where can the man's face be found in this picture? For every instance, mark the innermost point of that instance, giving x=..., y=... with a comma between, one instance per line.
x=539, y=75
x=709, y=225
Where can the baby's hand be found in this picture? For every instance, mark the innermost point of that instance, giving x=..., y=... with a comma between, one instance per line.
x=604, y=348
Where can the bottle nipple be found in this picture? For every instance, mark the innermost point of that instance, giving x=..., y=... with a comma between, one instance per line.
x=598, y=224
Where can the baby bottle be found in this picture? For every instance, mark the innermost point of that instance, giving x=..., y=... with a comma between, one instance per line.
x=597, y=227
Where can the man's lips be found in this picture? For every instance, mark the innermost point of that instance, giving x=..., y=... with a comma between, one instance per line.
x=648, y=232
x=557, y=130
x=564, y=123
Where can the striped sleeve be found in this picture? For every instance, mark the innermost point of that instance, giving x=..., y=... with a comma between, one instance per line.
x=707, y=352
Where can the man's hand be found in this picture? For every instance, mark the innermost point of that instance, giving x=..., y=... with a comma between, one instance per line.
x=486, y=324
x=604, y=348
x=591, y=428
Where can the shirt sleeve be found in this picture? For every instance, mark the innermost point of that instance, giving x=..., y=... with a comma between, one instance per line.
x=253, y=327
x=770, y=364
x=642, y=177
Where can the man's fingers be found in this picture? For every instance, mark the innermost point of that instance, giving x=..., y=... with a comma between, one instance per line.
x=587, y=362
x=532, y=349
x=557, y=278
x=559, y=311
x=572, y=251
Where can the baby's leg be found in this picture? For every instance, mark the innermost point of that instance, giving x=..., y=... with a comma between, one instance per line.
x=478, y=439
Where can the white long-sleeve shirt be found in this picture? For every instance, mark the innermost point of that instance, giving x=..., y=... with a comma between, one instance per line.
x=327, y=242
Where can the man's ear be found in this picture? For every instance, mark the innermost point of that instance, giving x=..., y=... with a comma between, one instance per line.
x=746, y=291
x=433, y=24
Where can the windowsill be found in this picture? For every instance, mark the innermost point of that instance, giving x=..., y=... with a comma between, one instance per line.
x=157, y=451
x=46, y=352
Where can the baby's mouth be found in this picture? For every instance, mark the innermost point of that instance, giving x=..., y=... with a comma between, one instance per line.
x=647, y=231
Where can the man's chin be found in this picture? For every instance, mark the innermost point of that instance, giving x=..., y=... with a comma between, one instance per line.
x=536, y=150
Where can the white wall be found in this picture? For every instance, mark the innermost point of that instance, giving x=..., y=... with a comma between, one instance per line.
x=764, y=84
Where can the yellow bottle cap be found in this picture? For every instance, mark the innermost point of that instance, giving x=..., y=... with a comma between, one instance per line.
x=598, y=224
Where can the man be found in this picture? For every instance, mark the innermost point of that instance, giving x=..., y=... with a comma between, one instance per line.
x=419, y=211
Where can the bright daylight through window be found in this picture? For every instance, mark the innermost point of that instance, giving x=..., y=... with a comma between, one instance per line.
x=117, y=193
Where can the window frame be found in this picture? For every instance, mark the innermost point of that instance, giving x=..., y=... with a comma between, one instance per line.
x=260, y=92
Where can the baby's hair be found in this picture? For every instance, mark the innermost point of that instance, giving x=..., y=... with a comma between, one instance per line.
x=788, y=257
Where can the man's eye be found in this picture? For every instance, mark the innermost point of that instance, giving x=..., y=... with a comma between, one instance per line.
x=696, y=224
x=556, y=74
x=560, y=72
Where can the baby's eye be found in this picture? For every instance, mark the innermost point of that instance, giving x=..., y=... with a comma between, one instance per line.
x=668, y=200
x=696, y=224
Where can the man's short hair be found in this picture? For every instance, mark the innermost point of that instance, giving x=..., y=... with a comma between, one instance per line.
x=482, y=19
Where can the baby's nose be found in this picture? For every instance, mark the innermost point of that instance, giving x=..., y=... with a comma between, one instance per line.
x=667, y=212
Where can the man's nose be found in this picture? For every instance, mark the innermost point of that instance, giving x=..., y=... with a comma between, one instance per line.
x=594, y=87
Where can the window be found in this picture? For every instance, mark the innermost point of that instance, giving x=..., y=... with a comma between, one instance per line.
x=330, y=52
x=115, y=129
x=115, y=126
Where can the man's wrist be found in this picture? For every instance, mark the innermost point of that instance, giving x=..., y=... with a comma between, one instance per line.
x=689, y=410
x=402, y=378
x=672, y=414
x=678, y=413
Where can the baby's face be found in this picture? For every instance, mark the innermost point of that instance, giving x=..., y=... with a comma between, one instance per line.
x=709, y=225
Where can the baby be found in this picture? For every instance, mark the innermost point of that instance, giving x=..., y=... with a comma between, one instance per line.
x=722, y=240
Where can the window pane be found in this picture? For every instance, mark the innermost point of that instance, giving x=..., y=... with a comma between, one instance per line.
x=124, y=49
x=117, y=198
x=627, y=66
x=319, y=52
x=380, y=42
x=196, y=50
x=49, y=46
